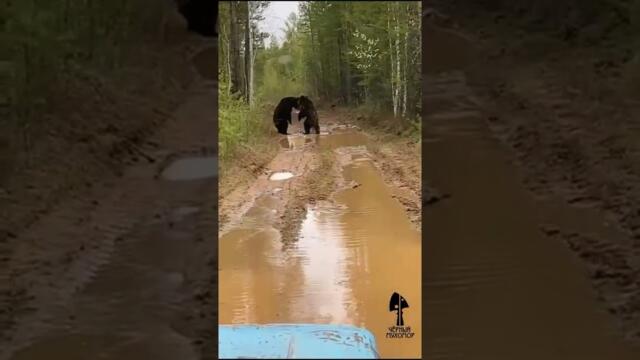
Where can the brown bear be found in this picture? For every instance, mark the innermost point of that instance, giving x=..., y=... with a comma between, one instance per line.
x=309, y=113
x=282, y=113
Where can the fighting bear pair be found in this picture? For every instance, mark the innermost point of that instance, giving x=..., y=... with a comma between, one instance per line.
x=307, y=111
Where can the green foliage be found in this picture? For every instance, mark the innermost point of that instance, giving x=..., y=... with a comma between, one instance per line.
x=282, y=72
x=364, y=52
x=46, y=42
x=239, y=124
x=233, y=118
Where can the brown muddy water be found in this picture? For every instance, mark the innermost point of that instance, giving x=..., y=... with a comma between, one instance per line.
x=296, y=141
x=351, y=255
x=496, y=287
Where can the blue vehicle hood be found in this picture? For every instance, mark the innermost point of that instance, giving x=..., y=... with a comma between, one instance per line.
x=291, y=341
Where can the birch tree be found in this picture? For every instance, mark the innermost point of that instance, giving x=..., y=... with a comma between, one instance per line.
x=248, y=58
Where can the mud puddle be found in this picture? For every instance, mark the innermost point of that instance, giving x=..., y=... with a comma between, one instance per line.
x=342, y=139
x=351, y=255
x=295, y=142
x=487, y=251
x=192, y=169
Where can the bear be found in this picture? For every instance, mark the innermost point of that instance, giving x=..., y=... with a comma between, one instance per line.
x=309, y=113
x=282, y=113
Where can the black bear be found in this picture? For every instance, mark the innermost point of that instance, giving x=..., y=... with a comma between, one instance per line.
x=308, y=111
x=282, y=113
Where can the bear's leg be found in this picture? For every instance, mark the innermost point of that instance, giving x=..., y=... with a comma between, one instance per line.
x=282, y=126
x=307, y=127
x=317, y=128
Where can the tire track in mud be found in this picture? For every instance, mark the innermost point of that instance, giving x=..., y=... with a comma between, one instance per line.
x=300, y=163
x=317, y=186
x=448, y=97
x=583, y=153
x=493, y=260
x=615, y=278
x=58, y=256
x=70, y=279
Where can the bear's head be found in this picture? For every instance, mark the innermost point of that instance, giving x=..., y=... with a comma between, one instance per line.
x=304, y=103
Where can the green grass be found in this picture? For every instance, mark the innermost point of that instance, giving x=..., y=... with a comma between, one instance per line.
x=240, y=126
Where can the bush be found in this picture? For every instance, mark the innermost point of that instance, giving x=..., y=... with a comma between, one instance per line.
x=239, y=124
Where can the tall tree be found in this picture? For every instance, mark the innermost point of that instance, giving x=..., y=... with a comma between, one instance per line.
x=356, y=53
x=234, y=48
x=248, y=59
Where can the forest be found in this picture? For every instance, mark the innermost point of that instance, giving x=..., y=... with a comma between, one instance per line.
x=359, y=55
x=45, y=43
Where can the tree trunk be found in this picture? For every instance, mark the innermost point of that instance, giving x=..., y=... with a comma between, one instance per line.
x=346, y=45
x=342, y=95
x=226, y=41
x=252, y=59
x=404, y=81
x=398, y=69
x=247, y=53
x=320, y=84
x=393, y=61
x=234, y=47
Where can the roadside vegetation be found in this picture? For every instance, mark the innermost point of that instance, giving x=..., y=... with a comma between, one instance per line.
x=81, y=82
x=51, y=47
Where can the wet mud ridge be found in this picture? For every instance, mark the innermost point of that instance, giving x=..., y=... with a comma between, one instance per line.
x=125, y=272
x=312, y=241
x=578, y=145
x=491, y=247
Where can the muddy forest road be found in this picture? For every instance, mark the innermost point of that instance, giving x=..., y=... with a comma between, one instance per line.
x=125, y=271
x=500, y=282
x=326, y=234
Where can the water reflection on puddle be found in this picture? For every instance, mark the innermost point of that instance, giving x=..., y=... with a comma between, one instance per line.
x=337, y=140
x=295, y=142
x=280, y=175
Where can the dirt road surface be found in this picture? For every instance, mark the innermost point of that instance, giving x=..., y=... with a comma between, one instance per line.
x=326, y=234
x=126, y=270
x=501, y=282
